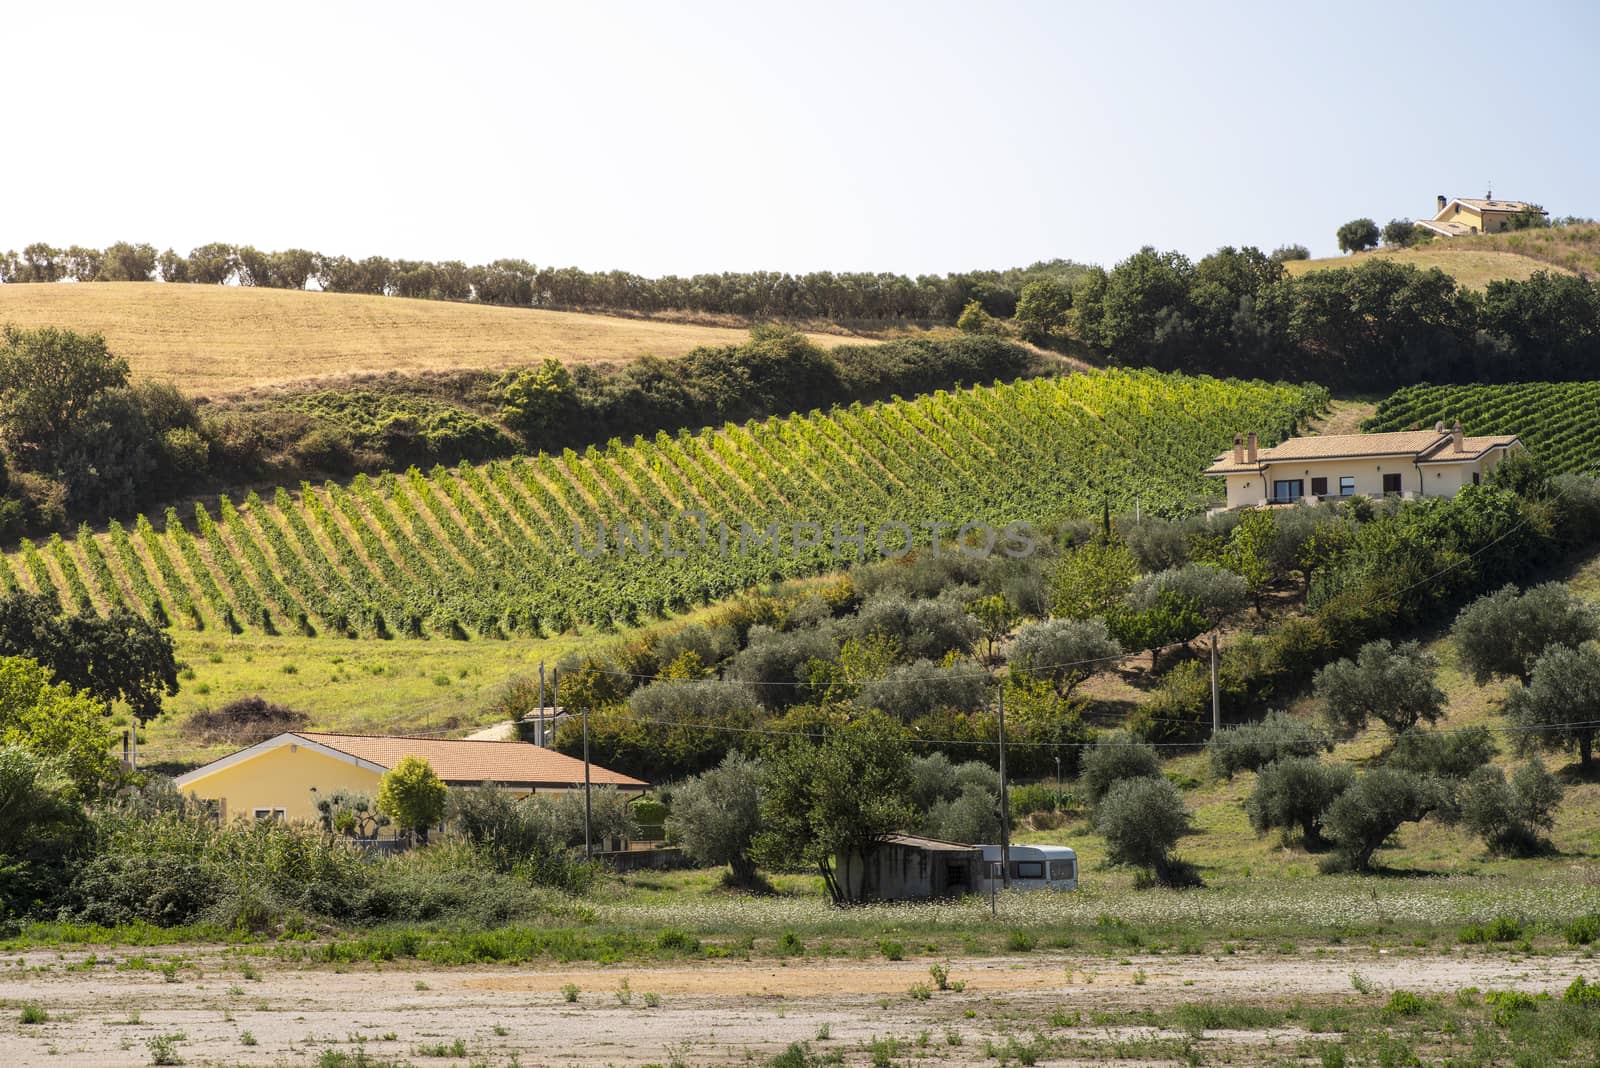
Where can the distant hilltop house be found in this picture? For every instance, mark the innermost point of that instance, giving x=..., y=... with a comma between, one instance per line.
x=1410, y=463
x=283, y=777
x=1461, y=216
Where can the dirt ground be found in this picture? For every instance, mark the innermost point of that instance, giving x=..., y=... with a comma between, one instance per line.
x=107, y=1012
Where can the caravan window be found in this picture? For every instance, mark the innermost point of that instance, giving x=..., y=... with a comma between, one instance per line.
x=1063, y=870
x=1027, y=869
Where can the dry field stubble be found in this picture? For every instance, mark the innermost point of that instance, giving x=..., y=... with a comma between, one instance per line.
x=217, y=339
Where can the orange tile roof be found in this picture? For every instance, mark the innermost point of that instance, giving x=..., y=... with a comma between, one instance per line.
x=1481, y=205
x=462, y=760
x=1422, y=446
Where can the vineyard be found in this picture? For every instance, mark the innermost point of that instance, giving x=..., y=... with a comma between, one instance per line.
x=1554, y=419
x=512, y=547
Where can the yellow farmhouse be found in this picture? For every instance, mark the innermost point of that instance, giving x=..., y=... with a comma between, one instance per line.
x=1461, y=216
x=1411, y=463
x=283, y=777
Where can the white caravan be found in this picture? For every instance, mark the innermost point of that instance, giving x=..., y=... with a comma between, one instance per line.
x=1033, y=867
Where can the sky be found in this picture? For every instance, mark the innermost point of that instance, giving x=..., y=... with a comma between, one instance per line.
x=915, y=137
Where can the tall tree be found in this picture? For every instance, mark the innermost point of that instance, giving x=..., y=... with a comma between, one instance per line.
x=1357, y=235
x=834, y=799
x=122, y=657
x=1560, y=706
x=1391, y=683
x=49, y=380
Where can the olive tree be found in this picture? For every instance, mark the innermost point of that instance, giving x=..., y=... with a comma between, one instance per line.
x=1391, y=683
x=1114, y=760
x=1371, y=809
x=1141, y=820
x=1293, y=794
x=1505, y=632
x=1064, y=651
x=717, y=814
x=1511, y=816
x=1252, y=746
x=1561, y=704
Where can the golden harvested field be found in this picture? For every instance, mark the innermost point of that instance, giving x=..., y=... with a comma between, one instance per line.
x=216, y=339
x=1473, y=267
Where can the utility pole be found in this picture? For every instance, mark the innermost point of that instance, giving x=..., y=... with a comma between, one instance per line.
x=1005, y=802
x=1058, y=782
x=588, y=796
x=542, y=740
x=1216, y=693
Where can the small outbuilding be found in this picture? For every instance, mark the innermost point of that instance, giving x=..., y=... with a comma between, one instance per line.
x=906, y=867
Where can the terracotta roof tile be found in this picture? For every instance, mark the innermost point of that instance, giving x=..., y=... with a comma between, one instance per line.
x=1420, y=445
x=461, y=760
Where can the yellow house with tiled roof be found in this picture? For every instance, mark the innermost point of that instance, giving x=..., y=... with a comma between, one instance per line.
x=1410, y=463
x=1461, y=216
x=282, y=778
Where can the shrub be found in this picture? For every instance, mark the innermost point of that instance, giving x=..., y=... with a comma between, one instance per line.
x=412, y=795
x=1294, y=794
x=1114, y=760
x=1357, y=235
x=243, y=722
x=1251, y=746
x=1032, y=797
x=1141, y=820
x=1509, y=816
x=1583, y=930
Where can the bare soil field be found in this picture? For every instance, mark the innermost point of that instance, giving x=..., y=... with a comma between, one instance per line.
x=231, y=1009
x=217, y=339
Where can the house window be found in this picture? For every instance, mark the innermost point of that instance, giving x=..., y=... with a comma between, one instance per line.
x=1319, y=487
x=269, y=814
x=1027, y=869
x=1287, y=491
x=1062, y=871
x=1477, y=479
x=1347, y=485
x=1391, y=483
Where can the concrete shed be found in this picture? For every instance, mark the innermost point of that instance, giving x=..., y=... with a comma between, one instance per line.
x=905, y=867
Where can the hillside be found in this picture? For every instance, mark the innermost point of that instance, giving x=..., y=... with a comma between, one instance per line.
x=1473, y=267
x=1554, y=419
x=1483, y=258
x=513, y=547
x=211, y=339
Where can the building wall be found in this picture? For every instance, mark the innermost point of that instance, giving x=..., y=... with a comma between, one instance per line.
x=283, y=778
x=1445, y=480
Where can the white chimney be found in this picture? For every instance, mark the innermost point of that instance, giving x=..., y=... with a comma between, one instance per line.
x=1238, y=449
x=1250, y=447
x=1458, y=439
x=1438, y=428
x=1442, y=201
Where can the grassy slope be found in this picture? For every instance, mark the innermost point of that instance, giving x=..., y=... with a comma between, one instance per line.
x=1472, y=266
x=213, y=339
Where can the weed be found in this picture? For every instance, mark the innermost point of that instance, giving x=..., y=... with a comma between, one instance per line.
x=33, y=1013
x=891, y=950
x=164, y=1049
x=1021, y=941
x=1404, y=1003
x=920, y=992
x=246, y=1038
x=952, y=1037
x=1508, y=1005
x=1583, y=930
x=569, y=992
x=624, y=992
x=1500, y=929
x=824, y=1031
x=420, y=985
x=1360, y=983
x=652, y=1000
x=791, y=945
x=941, y=975
x=501, y=1030
x=458, y=1048
x=1331, y=1055
x=1140, y=978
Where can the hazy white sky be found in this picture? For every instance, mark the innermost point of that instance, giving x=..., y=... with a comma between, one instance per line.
x=682, y=137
